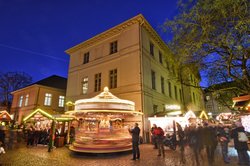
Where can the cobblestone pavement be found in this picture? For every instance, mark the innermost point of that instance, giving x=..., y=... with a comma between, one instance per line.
x=38, y=156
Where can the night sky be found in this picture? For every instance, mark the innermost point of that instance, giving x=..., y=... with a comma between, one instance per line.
x=35, y=33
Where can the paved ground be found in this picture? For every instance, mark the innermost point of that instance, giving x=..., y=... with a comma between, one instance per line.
x=38, y=156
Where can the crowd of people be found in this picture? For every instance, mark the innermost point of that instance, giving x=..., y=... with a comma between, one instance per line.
x=32, y=135
x=36, y=135
x=205, y=137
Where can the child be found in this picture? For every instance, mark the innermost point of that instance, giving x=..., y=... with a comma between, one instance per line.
x=1, y=148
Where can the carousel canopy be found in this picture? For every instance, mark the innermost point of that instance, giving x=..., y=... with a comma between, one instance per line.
x=105, y=102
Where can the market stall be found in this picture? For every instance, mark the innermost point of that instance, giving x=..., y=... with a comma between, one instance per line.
x=57, y=124
x=5, y=117
x=168, y=123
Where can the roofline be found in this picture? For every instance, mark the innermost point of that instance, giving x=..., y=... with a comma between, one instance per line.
x=35, y=85
x=119, y=28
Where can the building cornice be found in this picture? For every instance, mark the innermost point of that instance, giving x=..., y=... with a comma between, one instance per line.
x=37, y=85
x=139, y=19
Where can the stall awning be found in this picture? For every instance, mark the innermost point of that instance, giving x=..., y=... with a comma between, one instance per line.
x=41, y=114
x=242, y=102
x=5, y=116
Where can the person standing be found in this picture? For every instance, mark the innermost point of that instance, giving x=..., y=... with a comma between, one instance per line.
x=2, y=135
x=72, y=134
x=135, y=141
x=159, y=139
x=210, y=141
x=194, y=142
x=240, y=146
x=224, y=138
x=30, y=140
x=153, y=136
x=181, y=136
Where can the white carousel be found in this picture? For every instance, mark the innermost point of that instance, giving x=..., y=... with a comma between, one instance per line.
x=102, y=124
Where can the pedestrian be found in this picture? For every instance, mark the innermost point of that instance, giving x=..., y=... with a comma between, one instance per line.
x=210, y=141
x=159, y=139
x=181, y=142
x=240, y=146
x=194, y=142
x=135, y=141
x=30, y=136
x=224, y=139
x=153, y=136
x=2, y=151
x=72, y=134
x=2, y=135
x=36, y=135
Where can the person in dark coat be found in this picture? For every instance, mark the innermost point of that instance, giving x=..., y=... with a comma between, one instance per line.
x=194, y=142
x=135, y=141
x=30, y=140
x=210, y=141
x=224, y=138
x=241, y=147
x=72, y=134
x=181, y=142
x=2, y=135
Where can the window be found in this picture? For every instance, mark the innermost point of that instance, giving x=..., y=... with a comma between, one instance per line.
x=26, y=100
x=151, y=49
x=175, y=93
x=20, y=101
x=193, y=97
x=155, y=108
x=113, y=47
x=169, y=89
x=153, y=79
x=98, y=78
x=61, y=101
x=207, y=98
x=160, y=57
x=167, y=65
x=85, y=85
x=86, y=58
x=173, y=70
x=113, y=78
x=162, y=85
x=209, y=108
x=48, y=98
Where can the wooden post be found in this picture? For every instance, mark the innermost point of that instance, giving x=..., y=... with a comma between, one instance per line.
x=68, y=133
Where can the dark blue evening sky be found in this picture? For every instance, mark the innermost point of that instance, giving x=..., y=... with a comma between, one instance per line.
x=35, y=33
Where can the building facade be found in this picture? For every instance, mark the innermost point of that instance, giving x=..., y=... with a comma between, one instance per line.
x=47, y=94
x=218, y=97
x=134, y=62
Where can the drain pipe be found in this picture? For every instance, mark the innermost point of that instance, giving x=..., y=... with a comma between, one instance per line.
x=141, y=79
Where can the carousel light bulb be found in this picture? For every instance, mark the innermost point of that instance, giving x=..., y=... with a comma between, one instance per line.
x=106, y=89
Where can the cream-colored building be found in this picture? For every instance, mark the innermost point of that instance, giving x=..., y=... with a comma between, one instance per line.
x=134, y=62
x=47, y=94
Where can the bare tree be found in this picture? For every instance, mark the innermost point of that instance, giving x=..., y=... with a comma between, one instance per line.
x=10, y=82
